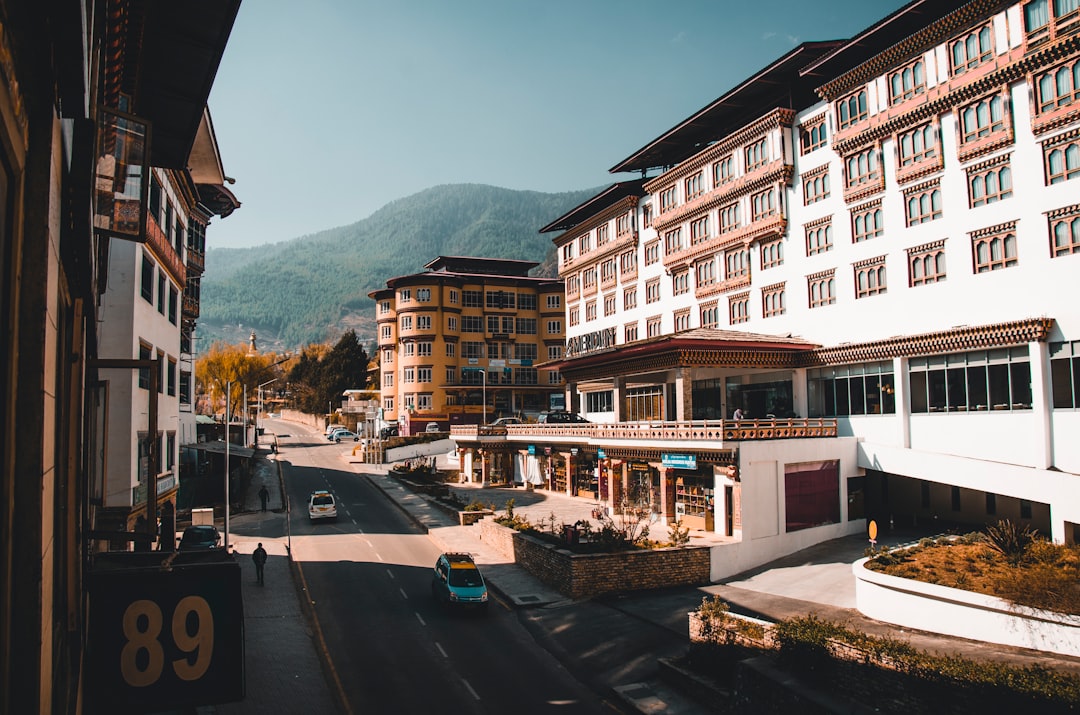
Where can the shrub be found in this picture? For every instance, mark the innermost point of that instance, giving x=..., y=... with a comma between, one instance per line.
x=477, y=505
x=1010, y=540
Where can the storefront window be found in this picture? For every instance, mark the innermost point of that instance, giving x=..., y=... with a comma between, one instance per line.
x=761, y=400
x=708, y=398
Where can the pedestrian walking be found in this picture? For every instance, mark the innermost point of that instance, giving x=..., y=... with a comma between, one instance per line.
x=259, y=557
x=264, y=496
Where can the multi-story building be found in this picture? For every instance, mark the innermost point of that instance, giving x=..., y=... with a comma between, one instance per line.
x=868, y=248
x=81, y=86
x=149, y=311
x=459, y=342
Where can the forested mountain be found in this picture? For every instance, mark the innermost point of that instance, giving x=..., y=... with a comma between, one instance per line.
x=313, y=288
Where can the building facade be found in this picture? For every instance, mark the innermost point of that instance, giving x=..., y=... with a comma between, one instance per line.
x=81, y=85
x=875, y=239
x=459, y=343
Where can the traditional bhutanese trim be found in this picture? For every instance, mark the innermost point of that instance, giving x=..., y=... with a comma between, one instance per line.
x=599, y=219
x=818, y=222
x=777, y=173
x=910, y=47
x=1063, y=211
x=779, y=117
x=991, y=230
x=989, y=163
x=1017, y=68
x=595, y=257
x=1063, y=138
x=980, y=337
x=932, y=246
x=828, y=273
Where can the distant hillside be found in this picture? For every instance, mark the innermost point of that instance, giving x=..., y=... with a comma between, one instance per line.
x=315, y=287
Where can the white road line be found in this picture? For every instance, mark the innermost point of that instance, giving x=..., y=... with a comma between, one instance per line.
x=379, y=556
x=470, y=688
x=403, y=594
x=366, y=541
x=444, y=655
x=421, y=619
x=390, y=574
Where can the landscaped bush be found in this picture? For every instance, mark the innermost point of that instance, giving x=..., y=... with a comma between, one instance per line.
x=1008, y=562
x=812, y=643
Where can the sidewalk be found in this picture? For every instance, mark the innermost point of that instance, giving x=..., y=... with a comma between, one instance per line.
x=284, y=672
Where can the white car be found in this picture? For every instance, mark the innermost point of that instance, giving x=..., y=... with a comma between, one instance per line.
x=433, y=427
x=321, y=505
x=343, y=434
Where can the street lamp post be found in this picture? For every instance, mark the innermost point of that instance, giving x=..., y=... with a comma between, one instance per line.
x=260, y=389
x=483, y=393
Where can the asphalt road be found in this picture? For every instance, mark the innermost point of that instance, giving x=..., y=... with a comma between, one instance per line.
x=391, y=647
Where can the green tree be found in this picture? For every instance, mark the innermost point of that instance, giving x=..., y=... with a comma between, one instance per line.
x=320, y=377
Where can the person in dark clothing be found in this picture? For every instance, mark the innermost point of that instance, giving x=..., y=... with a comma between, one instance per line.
x=259, y=557
x=264, y=496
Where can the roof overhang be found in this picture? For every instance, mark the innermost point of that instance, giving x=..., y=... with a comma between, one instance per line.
x=776, y=85
x=174, y=51
x=592, y=206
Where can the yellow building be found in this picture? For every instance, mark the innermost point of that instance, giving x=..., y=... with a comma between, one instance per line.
x=459, y=343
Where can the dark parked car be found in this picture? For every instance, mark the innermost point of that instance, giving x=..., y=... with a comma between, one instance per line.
x=560, y=417
x=388, y=432
x=200, y=538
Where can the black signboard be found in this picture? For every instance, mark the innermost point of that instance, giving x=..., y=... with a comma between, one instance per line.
x=162, y=638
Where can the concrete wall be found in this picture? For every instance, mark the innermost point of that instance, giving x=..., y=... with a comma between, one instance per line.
x=965, y=614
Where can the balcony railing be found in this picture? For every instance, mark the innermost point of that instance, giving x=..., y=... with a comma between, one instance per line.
x=653, y=432
x=190, y=306
x=159, y=244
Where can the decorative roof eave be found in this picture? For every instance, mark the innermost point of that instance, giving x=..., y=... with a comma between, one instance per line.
x=459, y=279
x=945, y=97
x=570, y=220
x=958, y=339
x=753, y=95
x=930, y=35
x=777, y=118
x=627, y=203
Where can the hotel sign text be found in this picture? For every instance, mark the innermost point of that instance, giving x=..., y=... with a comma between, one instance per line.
x=598, y=340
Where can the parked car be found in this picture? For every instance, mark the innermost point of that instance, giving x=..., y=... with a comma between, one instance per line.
x=330, y=429
x=388, y=432
x=560, y=417
x=202, y=537
x=321, y=505
x=457, y=581
x=344, y=434
x=433, y=427
x=503, y=421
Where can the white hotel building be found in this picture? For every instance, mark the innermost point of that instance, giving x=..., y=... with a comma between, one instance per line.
x=872, y=248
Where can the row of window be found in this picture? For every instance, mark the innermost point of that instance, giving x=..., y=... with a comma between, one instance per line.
x=991, y=250
x=470, y=376
x=495, y=299
x=977, y=381
x=166, y=297
x=168, y=372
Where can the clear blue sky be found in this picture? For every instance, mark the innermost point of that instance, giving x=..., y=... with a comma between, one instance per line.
x=326, y=110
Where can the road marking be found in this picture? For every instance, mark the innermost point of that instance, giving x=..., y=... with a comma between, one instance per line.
x=403, y=594
x=378, y=556
x=444, y=655
x=470, y=688
x=371, y=545
x=421, y=619
x=390, y=574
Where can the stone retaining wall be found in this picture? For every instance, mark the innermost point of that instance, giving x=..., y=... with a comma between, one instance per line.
x=586, y=575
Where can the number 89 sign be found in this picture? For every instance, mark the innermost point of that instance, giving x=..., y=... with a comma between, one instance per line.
x=165, y=639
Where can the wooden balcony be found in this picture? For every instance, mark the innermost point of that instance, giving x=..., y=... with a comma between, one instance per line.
x=166, y=254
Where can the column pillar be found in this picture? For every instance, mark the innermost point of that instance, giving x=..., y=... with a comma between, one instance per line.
x=618, y=387
x=684, y=394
